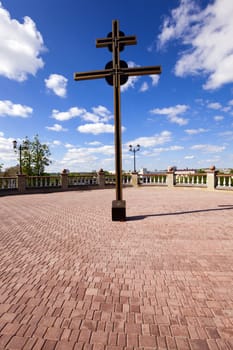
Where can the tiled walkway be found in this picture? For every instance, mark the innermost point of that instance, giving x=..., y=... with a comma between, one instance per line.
x=70, y=278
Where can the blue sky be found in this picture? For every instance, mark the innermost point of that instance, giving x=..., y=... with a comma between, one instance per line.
x=183, y=117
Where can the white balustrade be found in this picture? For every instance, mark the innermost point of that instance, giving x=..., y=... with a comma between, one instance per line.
x=81, y=180
x=197, y=179
x=8, y=183
x=43, y=181
x=225, y=181
x=153, y=179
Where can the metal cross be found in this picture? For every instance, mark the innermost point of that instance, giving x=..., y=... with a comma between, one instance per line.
x=116, y=73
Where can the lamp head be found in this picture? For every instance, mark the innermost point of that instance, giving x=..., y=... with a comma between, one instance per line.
x=14, y=144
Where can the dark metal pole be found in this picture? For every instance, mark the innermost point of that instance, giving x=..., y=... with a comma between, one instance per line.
x=20, y=160
x=117, y=112
x=118, y=206
x=134, y=151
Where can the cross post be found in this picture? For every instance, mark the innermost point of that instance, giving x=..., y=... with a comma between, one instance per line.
x=116, y=73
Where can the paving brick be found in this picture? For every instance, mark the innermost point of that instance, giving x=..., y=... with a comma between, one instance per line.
x=83, y=281
x=147, y=341
x=99, y=337
x=16, y=343
x=53, y=333
x=10, y=329
x=199, y=344
x=64, y=345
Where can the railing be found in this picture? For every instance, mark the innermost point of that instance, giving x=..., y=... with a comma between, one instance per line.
x=111, y=179
x=196, y=179
x=82, y=180
x=224, y=181
x=23, y=184
x=153, y=179
x=8, y=183
x=43, y=181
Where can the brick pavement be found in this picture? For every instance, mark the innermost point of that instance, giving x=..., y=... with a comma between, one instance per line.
x=70, y=278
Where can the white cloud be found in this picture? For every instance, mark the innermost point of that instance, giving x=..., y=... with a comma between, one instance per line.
x=98, y=114
x=218, y=118
x=155, y=79
x=131, y=80
x=102, y=111
x=90, y=117
x=97, y=128
x=189, y=157
x=168, y=149
x=208, y=148
x=56, y=127
x=20, y=47
x=208, y=34
x=89, y=157
x=214, y=105
x=57, y=83
x=7, y=153
x=57, y=143
x=172, y=113
x=73, y=112
x=94, y=143
x=195, y=131
x=144, y=87
x=230, y=102
x=151, y=141
x=8, y=108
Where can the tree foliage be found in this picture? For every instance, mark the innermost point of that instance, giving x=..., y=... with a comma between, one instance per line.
x=34, y=156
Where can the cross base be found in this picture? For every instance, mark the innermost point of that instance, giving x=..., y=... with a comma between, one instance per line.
x=118, y=210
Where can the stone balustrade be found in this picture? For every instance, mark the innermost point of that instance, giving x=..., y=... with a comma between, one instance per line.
x=210, y=180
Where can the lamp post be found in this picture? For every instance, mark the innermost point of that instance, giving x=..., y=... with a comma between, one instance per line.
x=20, y=148
x=134, y=150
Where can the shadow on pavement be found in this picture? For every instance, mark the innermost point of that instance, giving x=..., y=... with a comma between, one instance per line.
x=220, y=207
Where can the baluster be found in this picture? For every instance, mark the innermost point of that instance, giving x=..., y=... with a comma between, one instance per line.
x=224, y=181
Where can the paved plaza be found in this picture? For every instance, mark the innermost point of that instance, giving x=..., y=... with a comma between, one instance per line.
x=70, y=278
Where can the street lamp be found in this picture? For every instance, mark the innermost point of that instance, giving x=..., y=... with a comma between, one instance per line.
x=20, y=148
x=134, y=150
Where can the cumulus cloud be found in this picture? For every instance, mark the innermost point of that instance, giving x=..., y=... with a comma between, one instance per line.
x=131, y=80
x=57, y=83
x=168, y=149
x=207, y=33
x=98, y=114
x=56, y=127
x=155, y=79
x=88, y=155
x=97, y=128
x=20, y=47
x=6, y=150
x=172, y=113
x=195, y=131
x=214, y=105
x=208, y=148
x=151, y=141
x=73, y=112
x=144, y=87
x=8, y=108
x=218, y=118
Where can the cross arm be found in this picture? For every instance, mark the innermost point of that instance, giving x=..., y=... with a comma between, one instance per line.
x=96, y=74
x=142, y=70
x=126, y=40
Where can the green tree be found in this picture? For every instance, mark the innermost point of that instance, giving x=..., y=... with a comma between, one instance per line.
x=35, y=156
x=11, y=171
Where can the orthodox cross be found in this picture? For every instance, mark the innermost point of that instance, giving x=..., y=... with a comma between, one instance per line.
x=116, y=73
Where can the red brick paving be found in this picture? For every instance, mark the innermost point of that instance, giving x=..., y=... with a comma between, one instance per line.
x=71, y=279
